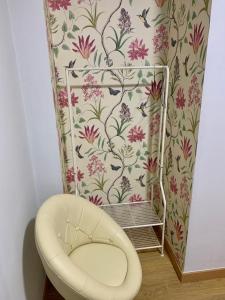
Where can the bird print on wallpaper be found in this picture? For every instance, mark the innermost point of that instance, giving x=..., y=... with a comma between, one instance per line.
x=185, y=64
x=70, y=66
x=115, y=168
x=77, y=149
x=143, y=17
x=142, y=108
x=113, y=92
x=140, y=180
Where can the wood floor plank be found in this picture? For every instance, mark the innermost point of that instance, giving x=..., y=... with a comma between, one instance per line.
x=160, y=282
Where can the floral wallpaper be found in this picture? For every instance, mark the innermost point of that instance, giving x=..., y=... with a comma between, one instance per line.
x=117, y=113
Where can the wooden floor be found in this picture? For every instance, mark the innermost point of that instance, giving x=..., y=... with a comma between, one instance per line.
x=160, y=282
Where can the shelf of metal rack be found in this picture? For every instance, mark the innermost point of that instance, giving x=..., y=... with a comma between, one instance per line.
x=133, y=215
x=143, y=238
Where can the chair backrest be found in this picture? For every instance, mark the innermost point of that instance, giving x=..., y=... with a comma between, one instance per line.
x=71, y=221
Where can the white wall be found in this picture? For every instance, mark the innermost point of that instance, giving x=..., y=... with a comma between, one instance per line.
x=30, y=39
x=206, y=238
x=17, y=187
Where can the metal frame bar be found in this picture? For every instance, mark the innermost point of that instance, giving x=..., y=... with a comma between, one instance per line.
x=162, y=132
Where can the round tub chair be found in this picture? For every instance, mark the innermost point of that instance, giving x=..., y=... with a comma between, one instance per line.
x=85, y=253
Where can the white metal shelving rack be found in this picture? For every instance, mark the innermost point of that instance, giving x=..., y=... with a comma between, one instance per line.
x=138, y=219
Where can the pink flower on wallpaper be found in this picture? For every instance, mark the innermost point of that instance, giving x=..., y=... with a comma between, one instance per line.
x=135, y=198
x=136, y=134
x=58, y=4
x=63, y=98
x=70, y=175
x=186, y=148
x=84, y=46
x=80, y=175
x=74, y=99
x=160, y=3
x=95, y=166
x=178, y=230
x=90, y=134
x=137, y=50
x=154, y=89
x=154, y=124
x=160, y=39
x=173, y=185
x=184, y=190
x=180, y=99
x=151, y=165
x=96, y=200
x=91, y=89
x=194, y=92
x=197, y=37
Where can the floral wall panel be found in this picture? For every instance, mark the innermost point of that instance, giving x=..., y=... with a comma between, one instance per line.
x=189, y=25
x=116, y=128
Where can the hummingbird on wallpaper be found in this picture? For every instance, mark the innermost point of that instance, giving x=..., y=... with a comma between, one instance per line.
x=142, y=108
x=143, y=17
x=140, y=180
x=185, y=63
x=77, y=149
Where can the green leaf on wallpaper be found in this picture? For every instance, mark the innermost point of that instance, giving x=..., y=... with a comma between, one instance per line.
x=144, y=81
x=149, y=74
x=146, y=153
x=56, y=51
x=188, y=16
x=64, y=27
x=70, y=35
x=189, y=25
x=75, y=28
x=194, y=15
x=142, y=158
x=129, y=169
x=103, y=142
x=65, y=47
x=140, y=74
x=185, y=40
x=181, y=45
x=99, y=141
x=71, y=15
x=99, y=59
x=139, y=91
x=138, y=153
x=102, y=77
x=78, y=111
x=83, y=184
x=130, y=1
x=77, y=126
x=86, y=192
x=193, y=2
x=95, y=56
x=130, y=95
x=82, y=120
x=145, y=145
x=137, y=166
x=147, y=63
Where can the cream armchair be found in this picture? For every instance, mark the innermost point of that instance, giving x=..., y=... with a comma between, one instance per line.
x=86, y=255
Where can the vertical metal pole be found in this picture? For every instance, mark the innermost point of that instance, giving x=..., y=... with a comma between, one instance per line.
x=71, y=126
x=162, y=156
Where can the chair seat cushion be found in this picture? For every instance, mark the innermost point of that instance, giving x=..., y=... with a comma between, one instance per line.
x=105, y=263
